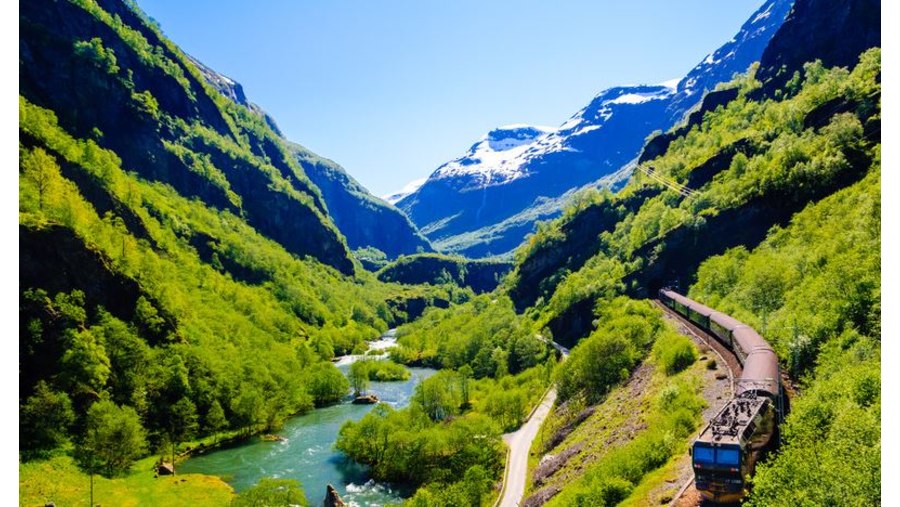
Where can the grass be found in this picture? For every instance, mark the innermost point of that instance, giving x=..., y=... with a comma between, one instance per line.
x=60, y=481
x=628, y=413
x=656, y=488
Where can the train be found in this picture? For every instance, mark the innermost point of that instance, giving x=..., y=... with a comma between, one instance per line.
x=725, y=453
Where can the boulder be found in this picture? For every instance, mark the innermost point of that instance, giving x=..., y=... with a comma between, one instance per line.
x=332, y=498
x=367, y=399
x=165, y=468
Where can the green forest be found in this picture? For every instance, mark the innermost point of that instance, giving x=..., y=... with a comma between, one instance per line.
x=812, y=286
x=162, y=316
x=184, y=286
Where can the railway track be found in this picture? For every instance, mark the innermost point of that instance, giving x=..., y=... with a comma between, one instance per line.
x=687, y=495
x=704, y=338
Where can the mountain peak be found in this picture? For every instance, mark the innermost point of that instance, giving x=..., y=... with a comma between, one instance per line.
x=496, y=158
x=475, y=203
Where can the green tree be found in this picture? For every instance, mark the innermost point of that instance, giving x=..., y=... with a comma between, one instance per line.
x=359, y=376
x=272, y=493
x=147, y=317
x=507, y=407
x=102, y=57
x=476, y=484
x=465, y=376
x=525, y=352
x=500, y=358
x=438, y=396
x=45, y=418
x=248, y=408
x=326, y=383
x=215, y=420
x=69, y=308
x=182, y=423
x=129, y=358
x=85, y=365
x=113, y=438
x=42, y=171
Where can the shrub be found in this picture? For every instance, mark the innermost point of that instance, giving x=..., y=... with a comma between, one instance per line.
x=674, y=352
x=272, y=492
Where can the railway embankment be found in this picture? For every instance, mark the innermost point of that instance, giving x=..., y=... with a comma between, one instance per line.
x=578, y=437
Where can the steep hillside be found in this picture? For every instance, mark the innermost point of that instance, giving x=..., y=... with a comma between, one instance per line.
x=734, y=180
x=364, y=219
x=165, y=123
x=814, y=289
x=179, y=275
x=479, y=275
x=835, y=32
x=466, y=205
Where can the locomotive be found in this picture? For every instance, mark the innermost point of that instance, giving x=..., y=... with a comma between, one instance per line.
x=726, y=451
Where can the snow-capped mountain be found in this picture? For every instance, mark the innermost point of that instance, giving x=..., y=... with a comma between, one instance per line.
x=720, y=65
x=466, y=204
x=497, y=158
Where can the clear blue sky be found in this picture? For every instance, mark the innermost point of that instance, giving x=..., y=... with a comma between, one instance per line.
x=392, y=89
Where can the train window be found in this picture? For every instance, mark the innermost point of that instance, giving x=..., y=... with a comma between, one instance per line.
x=727, y=456
x=704, y=454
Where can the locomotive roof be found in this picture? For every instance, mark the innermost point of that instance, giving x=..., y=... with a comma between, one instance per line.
x=728, y=426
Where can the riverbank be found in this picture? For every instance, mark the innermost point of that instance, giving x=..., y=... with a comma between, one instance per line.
x=60, y=481
x=307, y=452
x=233, y=438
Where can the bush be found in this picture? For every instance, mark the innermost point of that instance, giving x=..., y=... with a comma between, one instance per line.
x=326, y=383
x=387, y=371
x=272, y=493
x=674, y=352
x=45, y=418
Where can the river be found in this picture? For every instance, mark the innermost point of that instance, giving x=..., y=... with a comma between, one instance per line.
x=308, y=453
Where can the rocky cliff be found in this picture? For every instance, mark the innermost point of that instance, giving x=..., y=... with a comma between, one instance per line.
x=136, y=93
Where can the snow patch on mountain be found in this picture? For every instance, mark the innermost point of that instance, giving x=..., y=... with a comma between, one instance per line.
x=407, y=189
x=719, y=65
x=637, y=98
x=671, y=83
x=497, y=157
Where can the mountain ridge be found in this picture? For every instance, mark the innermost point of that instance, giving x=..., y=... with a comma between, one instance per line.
x=363, y=218
x=597, y=141
x=166, y=123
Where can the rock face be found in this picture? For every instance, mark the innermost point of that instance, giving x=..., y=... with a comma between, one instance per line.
x=163, y=121
x=486, y=201
x=479, y=275
x=365, y=220
x=834, y=32
x=233, y=91
x=332, y=498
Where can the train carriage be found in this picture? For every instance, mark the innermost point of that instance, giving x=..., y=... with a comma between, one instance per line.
x=727, y=450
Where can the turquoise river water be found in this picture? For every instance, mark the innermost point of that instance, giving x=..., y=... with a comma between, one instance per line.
x=308, y=453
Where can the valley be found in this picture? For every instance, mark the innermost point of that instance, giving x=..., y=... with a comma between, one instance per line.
x=307, y=453
x=198, y=294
